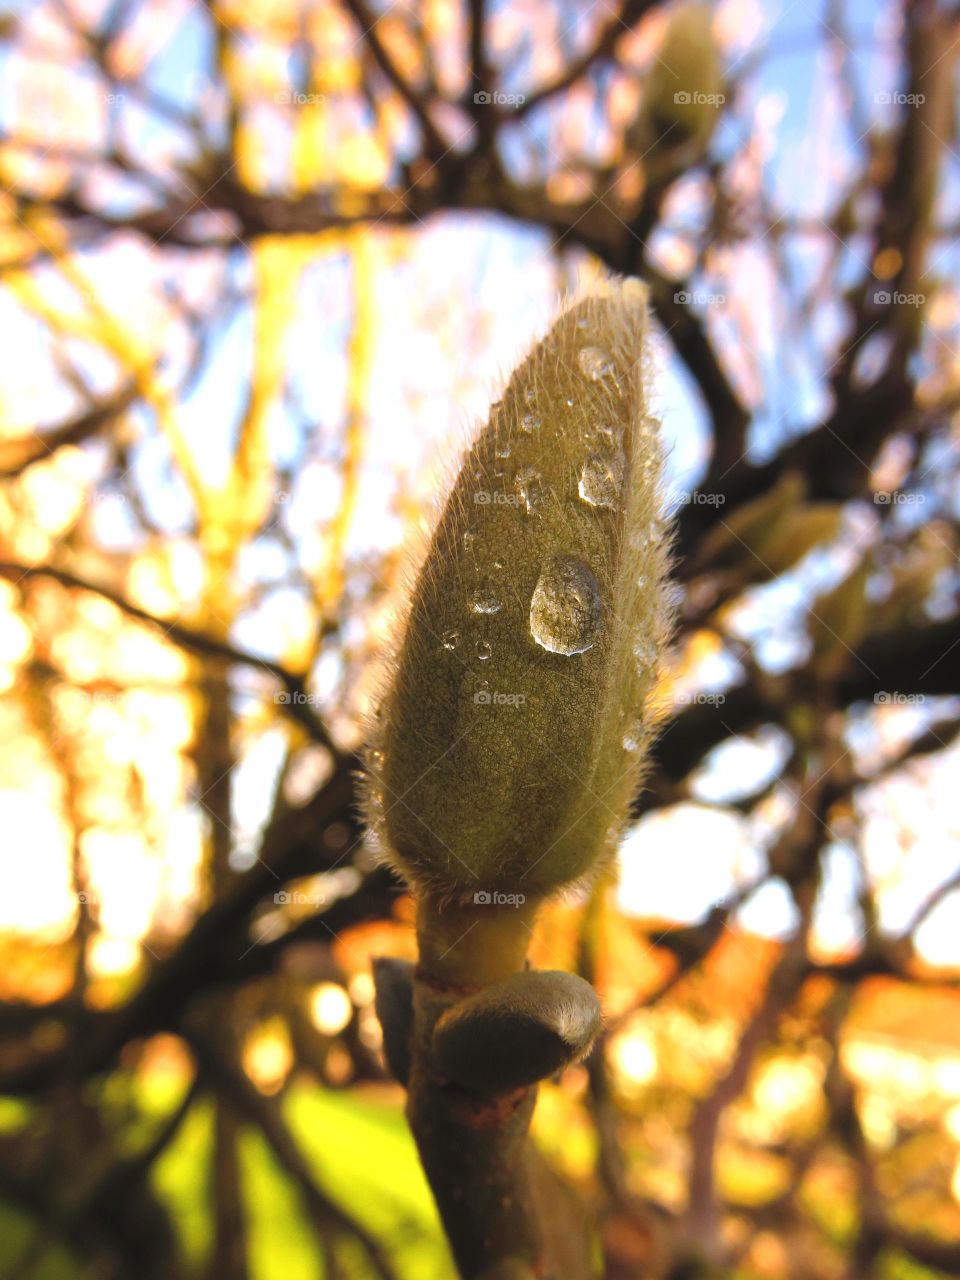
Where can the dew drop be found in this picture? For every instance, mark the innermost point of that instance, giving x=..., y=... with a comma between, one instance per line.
x=594, y=363
x=569, y=402
x=498, y=565
x=529, y=486
x=633, y=738
x=601, y=479
x=530, y=423
x=483, y=650
x=503, y=448
x=468, y=540
x=483, y=600
x=531, y=395
x=450, y=639
x=645, y=652
x=565, y=608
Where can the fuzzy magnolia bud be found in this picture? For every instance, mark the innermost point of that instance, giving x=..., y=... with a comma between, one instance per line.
x=682, y=94
x=512, y=732
x=768, y=535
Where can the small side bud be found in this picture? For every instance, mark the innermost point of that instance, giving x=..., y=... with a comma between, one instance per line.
x=516, y=1032
x=393, y=982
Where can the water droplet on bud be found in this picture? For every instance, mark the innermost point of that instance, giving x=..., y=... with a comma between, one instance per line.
x=601, y=480
x=529, y=487
x=483, y=600
x=565, y=608
x=594, y=363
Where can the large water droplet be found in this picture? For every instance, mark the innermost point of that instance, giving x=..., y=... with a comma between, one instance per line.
x=450, y=639
x=529, y=486
x=594, y=363
x=565, y=608
x=484, y=600
x=601, y=480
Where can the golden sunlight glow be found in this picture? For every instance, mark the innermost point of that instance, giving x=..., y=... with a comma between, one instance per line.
x=330, y=1008
x=268, y=1055
x=634, y=1057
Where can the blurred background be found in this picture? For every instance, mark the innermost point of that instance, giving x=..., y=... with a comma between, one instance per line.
x=261, y=266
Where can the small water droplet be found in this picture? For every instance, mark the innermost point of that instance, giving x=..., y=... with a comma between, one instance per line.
x=503, y=448
x=468, y=540
x=569, y=402
x=633, y=738
x=529, y=487
x=594, y=363
x=483, y=600
x=530, y=423
x=531, y=395
x=450, y=639
x=608, y=436
x=601, y=480
x=498, y=565
x=565, y=608
x=583, y=323
x=483, y=650
x=645, y=652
